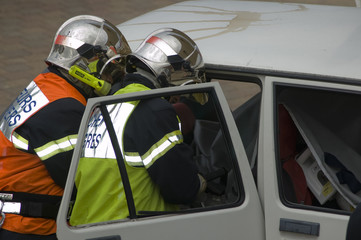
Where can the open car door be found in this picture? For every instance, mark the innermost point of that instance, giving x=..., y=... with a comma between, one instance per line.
x=231, y=207
x=315, y=131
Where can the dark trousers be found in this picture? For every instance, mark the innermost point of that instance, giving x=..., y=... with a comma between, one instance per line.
x=7, y=235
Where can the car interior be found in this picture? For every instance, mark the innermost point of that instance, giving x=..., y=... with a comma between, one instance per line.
x=318, y=147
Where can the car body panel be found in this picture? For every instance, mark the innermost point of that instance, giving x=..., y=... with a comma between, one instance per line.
x=286, y=38
x=332, y=225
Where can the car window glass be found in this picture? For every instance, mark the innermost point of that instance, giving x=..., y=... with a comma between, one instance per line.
x=238, y=93
x=244, y=99
x=204, y=131
x=318, y=152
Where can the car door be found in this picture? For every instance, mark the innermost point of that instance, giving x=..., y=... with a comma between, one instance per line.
x=231, y=208
x=310, y=130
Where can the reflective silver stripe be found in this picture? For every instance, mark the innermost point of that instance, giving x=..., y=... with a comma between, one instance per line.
x=30, y=100
x=11, y=207
x=134, y=160
x=161, y=147
x=52, y=148
x=69, y=41
x=6, y=196
x=162, y=45
x=20, y=142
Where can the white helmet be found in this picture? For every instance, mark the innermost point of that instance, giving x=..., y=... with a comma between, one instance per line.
x=89, y=42
x=172, y=56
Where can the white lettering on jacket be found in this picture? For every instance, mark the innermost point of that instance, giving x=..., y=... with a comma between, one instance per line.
x=30, y=100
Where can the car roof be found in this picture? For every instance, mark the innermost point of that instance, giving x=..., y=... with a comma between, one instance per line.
x=287, y=39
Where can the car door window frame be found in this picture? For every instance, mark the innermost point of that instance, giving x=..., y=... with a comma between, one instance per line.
x=316, y=86
x=221, y=104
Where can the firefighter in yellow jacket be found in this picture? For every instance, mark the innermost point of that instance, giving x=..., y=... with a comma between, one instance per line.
x=38, y=131
x=159, y=165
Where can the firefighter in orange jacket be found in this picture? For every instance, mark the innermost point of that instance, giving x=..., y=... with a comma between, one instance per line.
x=38, y=131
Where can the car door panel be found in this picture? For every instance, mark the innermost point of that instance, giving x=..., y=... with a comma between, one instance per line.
x=286, y=219
x=235, y=220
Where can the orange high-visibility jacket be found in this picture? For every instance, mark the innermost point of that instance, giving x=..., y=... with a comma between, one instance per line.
x=37, y=137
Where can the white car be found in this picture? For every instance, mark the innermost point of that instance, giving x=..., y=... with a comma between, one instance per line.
x=284, y=108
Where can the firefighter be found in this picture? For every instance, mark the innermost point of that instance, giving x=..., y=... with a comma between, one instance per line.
x=158, y=163
x=38, y=131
